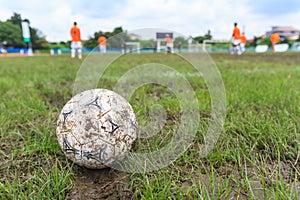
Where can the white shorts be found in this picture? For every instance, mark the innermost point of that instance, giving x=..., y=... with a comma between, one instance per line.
x=170, y=45
x=235, y=42
x=102, y=48
x=76, y=45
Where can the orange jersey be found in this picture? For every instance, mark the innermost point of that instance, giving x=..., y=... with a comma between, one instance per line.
x=102, y=40
x=236, y=33
x=75, y=33
x=243, y=39
x=168, y=40
x=275, y=38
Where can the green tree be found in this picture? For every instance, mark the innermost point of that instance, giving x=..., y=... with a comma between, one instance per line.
x=113, y=42
x=92, y=42
x=16, y=19
x=117, y=30
x=207, y=36
x=182, y=41
x=11, y=32
x=38, y=39
x=298, y=40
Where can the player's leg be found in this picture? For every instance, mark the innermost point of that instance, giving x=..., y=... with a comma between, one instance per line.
x=79, y=50
x=237, y=46
x=171, y=48
x=273, y=47
x=73, y=50
x=239, y=49
x=102, y=49
x=233, y=49
x=243, y=49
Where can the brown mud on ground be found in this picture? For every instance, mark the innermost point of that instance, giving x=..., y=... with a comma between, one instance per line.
x=100, y=184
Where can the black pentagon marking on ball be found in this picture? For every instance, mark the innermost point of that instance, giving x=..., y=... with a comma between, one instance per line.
x=95, y=103
x=68, y=148
x=92, y=156
x=66, y=115
x=114, y=126
x=99, y=156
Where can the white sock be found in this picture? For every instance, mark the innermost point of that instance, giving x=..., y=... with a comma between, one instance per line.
x=79, y=53
x=73, y=51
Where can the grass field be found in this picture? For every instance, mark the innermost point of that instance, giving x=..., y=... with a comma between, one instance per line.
x=257, y=155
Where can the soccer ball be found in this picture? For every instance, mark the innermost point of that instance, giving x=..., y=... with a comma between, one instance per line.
x=96, y=128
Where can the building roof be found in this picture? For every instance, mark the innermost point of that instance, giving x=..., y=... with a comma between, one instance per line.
x=284, y=29
x=287, y=32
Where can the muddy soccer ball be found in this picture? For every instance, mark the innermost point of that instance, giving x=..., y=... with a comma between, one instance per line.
x=96, y=128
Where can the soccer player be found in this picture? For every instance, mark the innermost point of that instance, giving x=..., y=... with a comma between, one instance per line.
x=102, y=44
x=169, y=44
x=275, y=38
x=76, y=41
x=243, y=42
x=3, y=49
x=236, y=40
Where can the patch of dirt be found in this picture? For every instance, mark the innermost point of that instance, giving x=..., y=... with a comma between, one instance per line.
x=100, y=184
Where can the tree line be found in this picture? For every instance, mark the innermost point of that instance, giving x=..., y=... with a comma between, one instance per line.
x=11, y=34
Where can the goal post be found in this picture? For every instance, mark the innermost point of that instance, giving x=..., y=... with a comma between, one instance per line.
x=160, y=38
x=132, y=47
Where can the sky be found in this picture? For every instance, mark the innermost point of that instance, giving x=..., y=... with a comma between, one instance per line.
x=54, y=18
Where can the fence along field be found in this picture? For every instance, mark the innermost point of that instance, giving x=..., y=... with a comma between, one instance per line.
x=257, y=154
